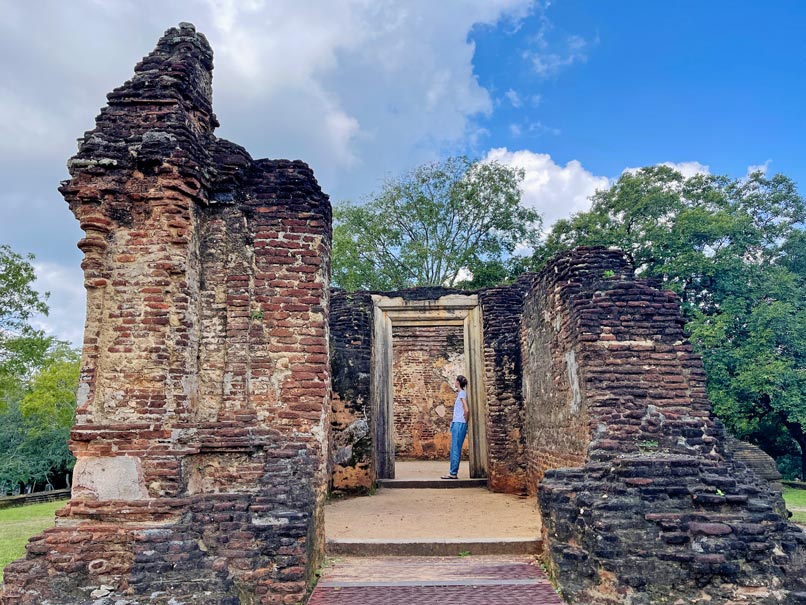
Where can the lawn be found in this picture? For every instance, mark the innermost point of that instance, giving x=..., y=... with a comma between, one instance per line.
x=20, y=523
x=796, y=499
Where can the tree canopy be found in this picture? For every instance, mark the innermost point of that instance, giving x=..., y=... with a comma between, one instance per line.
x=38, y=381
x=20, y=344
x=436, y=225
x=735, y=251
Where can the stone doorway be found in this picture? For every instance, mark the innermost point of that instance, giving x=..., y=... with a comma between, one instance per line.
x=446, y=316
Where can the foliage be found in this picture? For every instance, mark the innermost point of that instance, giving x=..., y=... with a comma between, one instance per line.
x=21, y=346
x=36, y=422
x=38, y=380
x=433, y=225
x=735, y=252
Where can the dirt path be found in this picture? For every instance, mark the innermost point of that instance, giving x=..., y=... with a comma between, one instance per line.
x=397, y=514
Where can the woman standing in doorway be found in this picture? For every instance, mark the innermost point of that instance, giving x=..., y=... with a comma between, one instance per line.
x=461, y=415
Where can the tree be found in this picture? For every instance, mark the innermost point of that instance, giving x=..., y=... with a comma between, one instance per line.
x=38, y=380
x=21, y=346
x=35, y=424
x=735, y=251
x=432, y=227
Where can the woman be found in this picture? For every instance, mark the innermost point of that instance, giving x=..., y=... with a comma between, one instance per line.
x=461, y=414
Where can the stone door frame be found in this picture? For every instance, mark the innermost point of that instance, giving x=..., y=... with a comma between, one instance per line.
x=450, y=310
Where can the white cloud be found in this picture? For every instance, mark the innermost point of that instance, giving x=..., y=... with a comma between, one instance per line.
x=550, y=54
x=67, y=301
x=515, y=130
x=687, y=169
x=762, y=168
x=292, y=79
x=554, y=190
x=514, y=98
x=359, y=89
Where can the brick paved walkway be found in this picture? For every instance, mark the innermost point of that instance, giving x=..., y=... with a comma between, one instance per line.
x=482, y=580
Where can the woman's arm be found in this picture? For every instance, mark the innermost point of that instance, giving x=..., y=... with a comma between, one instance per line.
x=466, y=409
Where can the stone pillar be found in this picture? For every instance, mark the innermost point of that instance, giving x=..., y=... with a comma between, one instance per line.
x=201, y=428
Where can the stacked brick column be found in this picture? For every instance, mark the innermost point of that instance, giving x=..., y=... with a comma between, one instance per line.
x=202, y=424
x=641, y=503
x=350, y=361
x=502, y=309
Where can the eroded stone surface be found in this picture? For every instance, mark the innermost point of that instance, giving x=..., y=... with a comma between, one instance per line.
x=202, y=419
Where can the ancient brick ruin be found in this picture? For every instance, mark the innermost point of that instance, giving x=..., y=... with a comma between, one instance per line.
x=594, y=398
x=207, y=433
x=201, y=434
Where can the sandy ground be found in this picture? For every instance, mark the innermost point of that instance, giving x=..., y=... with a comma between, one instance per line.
x=427, y=469
x=399, y=514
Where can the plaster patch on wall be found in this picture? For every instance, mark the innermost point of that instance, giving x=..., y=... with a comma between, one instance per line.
x=573, y=380
x=109, y=478
x=82, y=395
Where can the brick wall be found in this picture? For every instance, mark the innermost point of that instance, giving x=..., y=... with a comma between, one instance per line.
x=648, y=507
x=501, y=309
x=350, y=359
x=201, y=429
x=426, y=361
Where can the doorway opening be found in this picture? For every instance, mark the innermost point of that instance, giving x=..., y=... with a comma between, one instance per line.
x=418, y=348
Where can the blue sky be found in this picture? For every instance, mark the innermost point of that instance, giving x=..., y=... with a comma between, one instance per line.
x=722, y=83
x=573, y=92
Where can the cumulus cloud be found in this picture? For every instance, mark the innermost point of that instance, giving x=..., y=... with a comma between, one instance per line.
x=762, y=168
x=554, y=190
x=358, y=89
x=687, y=169
x=291, y=79
x=65, y=283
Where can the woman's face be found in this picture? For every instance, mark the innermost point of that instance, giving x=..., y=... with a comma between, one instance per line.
x=456, y=384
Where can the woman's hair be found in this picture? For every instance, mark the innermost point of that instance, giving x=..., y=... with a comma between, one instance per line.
x=462, y=381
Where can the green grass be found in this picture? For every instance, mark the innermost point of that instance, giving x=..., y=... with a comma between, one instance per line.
x=20, y=523
x=795, y=497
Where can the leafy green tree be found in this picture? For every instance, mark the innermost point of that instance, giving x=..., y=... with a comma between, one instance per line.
x=735, y=251
x=21, y=346
x=36, y=420
x=432, y=226
x=38, y=380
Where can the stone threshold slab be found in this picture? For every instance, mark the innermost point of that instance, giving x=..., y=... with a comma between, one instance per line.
x=466, y=582
x=431, y=483
x=434, y=548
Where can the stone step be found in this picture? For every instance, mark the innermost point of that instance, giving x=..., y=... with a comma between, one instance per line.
x=431, y=483
x=433, y=547
x=491, y=580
